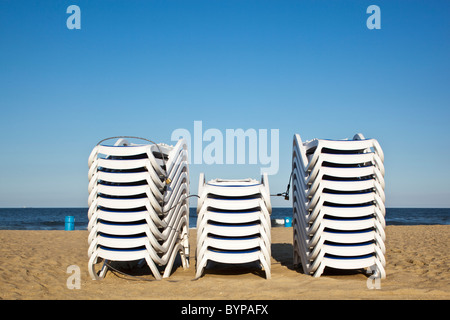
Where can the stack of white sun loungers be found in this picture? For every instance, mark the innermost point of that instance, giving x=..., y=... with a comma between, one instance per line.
x=138, y=207
x=338, y=205
x=233, y=224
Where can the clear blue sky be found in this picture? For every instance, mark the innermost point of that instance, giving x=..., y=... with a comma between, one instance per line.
x=146, y=68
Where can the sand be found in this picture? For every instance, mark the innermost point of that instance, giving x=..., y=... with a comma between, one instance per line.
x=33, y=266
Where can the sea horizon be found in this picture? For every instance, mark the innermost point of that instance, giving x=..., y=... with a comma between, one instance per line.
x=53, y=218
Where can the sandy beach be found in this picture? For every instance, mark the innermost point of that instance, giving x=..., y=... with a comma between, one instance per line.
x=33, y=265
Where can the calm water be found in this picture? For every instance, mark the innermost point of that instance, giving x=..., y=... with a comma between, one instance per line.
x=53, y=218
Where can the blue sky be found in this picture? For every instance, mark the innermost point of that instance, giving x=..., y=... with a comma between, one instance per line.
x=146, y=68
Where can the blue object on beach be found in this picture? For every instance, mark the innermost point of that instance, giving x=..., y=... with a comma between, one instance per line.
x=288, y=222
x=70, y=223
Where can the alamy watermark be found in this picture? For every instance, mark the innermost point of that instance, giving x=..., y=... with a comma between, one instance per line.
x=74, y=280
x=74, y=20
x=374, y=20
x=374, y=281
x=235, y=146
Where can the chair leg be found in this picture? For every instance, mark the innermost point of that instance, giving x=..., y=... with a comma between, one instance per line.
x=153, y=268
x=91, y=267
x=266, y=266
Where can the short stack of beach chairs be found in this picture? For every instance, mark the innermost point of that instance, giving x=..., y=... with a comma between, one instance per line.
x=338, y=205
x=138, y=207
x=233, y=224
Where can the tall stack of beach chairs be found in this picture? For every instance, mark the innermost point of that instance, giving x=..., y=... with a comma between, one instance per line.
x=338, y=205
x=138, y=206
x=233, y=224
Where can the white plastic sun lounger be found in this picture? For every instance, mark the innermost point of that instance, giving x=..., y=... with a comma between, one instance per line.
x=158, y=239
x=233, y=224
x=153, y=207
x=138, y=208
x=117, y=240
x=338, y=204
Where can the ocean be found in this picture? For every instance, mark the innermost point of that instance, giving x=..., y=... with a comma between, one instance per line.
x=54, y=218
